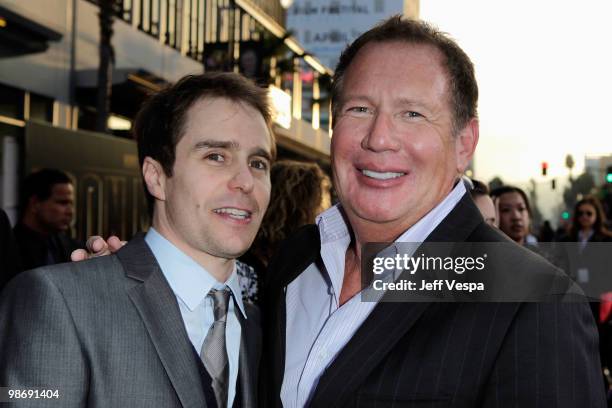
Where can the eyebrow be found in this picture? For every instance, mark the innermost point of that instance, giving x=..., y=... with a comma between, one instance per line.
x=230, y=145
x=401, y=100
x=218, y=144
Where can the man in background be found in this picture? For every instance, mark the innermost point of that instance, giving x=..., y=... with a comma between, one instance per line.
x=47, y=202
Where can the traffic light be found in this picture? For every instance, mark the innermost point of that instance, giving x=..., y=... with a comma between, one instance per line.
x=609, y=174
x=544, y=168
x=565, y=215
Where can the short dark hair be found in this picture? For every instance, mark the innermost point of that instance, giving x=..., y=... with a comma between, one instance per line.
x=160, y=122
x=461, y=79
x=478, y=188
x=40, y=184
x=499, y=191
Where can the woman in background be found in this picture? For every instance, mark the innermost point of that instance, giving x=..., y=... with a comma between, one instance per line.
x=300, y=191
x=588, y=223
x=514, y=212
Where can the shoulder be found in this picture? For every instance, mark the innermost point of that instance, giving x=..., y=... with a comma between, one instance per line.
x=67, y=279
x=603, y=236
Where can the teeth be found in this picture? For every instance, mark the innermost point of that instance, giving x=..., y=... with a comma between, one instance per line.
x=381, y=176
x=233, y=213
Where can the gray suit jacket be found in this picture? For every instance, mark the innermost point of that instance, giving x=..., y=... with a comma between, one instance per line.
x=108, y=333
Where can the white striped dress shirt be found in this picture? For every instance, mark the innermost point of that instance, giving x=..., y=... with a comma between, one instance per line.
x=317, y=328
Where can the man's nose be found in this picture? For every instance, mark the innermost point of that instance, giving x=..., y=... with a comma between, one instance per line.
x=242, y=179
x=381, y=135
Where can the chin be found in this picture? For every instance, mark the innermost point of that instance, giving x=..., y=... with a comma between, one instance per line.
x=234, y=249
x=377, y=214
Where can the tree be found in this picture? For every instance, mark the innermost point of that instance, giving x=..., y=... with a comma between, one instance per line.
x=569, y=163
x=582, y=185
x=108, y=9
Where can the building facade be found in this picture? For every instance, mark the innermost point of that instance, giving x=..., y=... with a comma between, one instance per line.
x=49, y=67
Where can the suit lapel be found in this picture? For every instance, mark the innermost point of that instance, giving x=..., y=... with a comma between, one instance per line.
x=385, y=326
x=158, y=309
x=388, y=322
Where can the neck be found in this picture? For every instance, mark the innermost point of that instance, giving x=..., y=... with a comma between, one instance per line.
x=220, y=268
x=365, y=231
x=586, y=230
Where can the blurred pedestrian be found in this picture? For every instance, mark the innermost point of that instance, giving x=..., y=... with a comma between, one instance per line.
x=47, y=210
x=546, y=234
x=590, y=269
x=588, y=222
x=480, y=194
x=514, y=212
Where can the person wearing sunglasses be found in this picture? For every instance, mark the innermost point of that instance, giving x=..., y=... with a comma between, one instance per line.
x=589, y=223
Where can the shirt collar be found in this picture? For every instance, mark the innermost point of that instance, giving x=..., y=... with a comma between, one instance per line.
x=335, y=235
x=189, y=280
x=333, y=225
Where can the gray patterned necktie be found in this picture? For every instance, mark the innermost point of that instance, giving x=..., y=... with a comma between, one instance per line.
x=214, y=353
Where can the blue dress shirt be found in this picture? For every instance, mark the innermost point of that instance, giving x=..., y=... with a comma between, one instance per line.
x=191, y=283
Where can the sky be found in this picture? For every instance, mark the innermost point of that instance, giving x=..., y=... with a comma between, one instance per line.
x=544, y=70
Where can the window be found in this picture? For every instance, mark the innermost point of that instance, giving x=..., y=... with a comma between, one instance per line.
x=11, y=102
x=41, y=108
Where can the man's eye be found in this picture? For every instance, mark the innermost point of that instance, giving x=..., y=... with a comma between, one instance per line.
x=215, y=157
x=359, y=110
x=413, y=114
x=259, y=164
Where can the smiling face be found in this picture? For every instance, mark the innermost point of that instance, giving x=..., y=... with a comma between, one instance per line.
x=394, y=155
x=214, y=202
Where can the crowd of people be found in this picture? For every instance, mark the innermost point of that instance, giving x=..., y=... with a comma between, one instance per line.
x=246, y=289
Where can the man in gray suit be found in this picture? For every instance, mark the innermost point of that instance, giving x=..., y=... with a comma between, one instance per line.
x=162, y=322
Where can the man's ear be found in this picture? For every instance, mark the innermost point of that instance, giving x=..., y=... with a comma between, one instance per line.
x=465, y=144
x=154, y=178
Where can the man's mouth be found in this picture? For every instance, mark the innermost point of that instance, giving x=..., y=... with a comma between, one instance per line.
x=378, y=175
x=235, y=213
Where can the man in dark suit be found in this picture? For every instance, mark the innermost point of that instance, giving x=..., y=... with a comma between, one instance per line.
x=405, y=129
x=161, y=322
x=47, y=209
